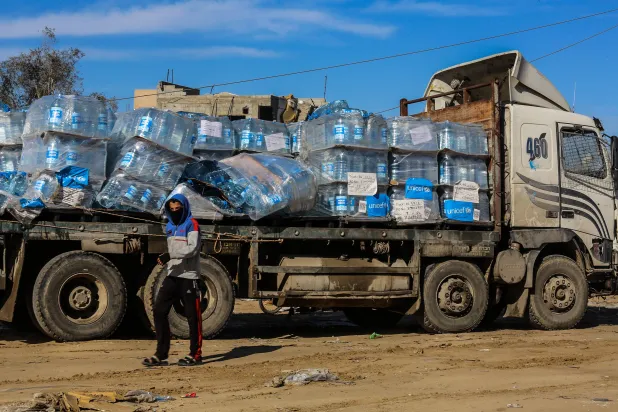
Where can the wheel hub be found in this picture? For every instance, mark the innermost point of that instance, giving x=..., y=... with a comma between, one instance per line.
x=559, y=293
x=80, y=298
x=454, y=296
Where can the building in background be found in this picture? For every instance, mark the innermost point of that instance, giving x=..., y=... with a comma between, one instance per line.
x=170, y=96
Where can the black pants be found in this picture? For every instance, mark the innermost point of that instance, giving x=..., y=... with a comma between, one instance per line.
x=171, y=291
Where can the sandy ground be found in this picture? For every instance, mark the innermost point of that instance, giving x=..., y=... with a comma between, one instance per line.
x=405, y=370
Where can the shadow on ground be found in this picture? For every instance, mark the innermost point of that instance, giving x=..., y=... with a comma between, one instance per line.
x=315, y=324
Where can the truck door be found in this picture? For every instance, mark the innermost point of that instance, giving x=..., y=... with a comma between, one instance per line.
x=586, y=189
x=534, y=169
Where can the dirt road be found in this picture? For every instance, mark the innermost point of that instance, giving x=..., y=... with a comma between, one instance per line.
x=406, y=370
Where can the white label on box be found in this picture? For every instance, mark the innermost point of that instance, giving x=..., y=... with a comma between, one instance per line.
x=362, y=184
x=212, y=129
x=477, y=215
x=362, y=206
x=275, y=142
x=420, y=135
x=466, y=191
x=409, y=210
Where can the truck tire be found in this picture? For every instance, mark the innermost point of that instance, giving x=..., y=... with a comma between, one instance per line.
x=79, y=296
x=455, y=297
x=217, y=299
x=368, y=318
x=560, y=295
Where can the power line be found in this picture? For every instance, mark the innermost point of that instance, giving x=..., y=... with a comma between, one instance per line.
x=394, y=56
x=575, y=44
x=544, y=56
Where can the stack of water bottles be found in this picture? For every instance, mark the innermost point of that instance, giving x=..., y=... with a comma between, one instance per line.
x=347, y=150
x=13, y=182
x=463, y=172
x=260, y=185
x=216, y=139
x=297, y=136
x=65, y=137
x=157, y=147
x=256, y=135
x=413, y=170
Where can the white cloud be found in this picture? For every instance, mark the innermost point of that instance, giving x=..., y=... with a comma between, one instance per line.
x=436, y=8
x=178, y=53
x=223, y=17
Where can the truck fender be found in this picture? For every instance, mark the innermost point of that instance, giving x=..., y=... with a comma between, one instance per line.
x=531, y=258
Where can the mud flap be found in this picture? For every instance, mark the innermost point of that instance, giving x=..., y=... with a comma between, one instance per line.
x=517, y=297
x=8, y=306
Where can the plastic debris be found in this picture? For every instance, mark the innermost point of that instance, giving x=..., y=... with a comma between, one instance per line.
x=189, y=395
x=303, y=377
x=141, y=396
x=375, y=336
x=514, y=405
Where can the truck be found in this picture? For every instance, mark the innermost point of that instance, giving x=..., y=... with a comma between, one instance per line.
x=550, y=245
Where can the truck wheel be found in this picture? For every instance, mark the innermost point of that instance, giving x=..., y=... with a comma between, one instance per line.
x=560, y=294
x=79, y=296
x=369, y=318
x=217, y=299
x=455, y=298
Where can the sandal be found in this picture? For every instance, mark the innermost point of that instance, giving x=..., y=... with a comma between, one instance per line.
x=154, y=361
x=190, y=361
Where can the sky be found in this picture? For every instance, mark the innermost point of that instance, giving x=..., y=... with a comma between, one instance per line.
x=132, y=44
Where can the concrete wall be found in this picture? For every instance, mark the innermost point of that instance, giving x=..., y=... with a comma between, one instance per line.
x=147, y=101
x=181, y=98
x=226, y=104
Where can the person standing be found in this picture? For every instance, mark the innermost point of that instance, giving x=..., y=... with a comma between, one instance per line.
x=181, y=282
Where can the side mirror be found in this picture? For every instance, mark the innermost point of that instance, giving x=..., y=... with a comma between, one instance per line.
x=614, y=150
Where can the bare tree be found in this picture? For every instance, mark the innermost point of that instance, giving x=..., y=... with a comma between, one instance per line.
x=107, y=100
x=39, y=72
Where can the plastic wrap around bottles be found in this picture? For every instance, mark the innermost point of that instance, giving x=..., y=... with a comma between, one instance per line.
x=333, y=165
x=149, y=163
x=255, y=135
x=404, y=166
x=204, y=203
x=377, y=131
x=12, y=180
x=11, y=127
x=262, y=184
x=216, y=155
x=165, y=128
x=121, y=192
x=462, y=138
x=454, y=168
x=343, y=130
x=416, y=202
x=215, y=133
x=329, y=108
x=409, y=133
x=455, y=209
x=297, y=136
x=69, y=188
x=55, y=151
x=336, y=200
x=78, y=115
